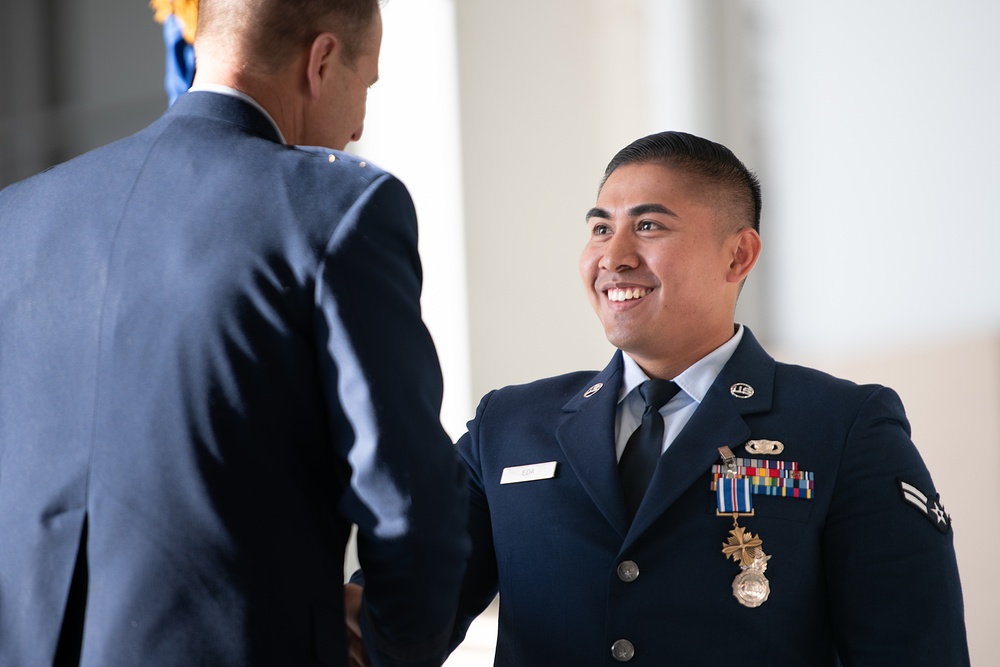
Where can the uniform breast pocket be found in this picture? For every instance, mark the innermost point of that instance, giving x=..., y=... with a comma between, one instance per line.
x=778, y=507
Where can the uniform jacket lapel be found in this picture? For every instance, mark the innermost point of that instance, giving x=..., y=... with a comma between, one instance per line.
x=587, y=438
x=718, y=421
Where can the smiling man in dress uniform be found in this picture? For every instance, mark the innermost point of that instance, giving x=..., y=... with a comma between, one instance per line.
x=696, y=502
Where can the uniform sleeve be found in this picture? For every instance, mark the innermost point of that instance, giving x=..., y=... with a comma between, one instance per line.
x=891, y=569
x=481, y=579
x=407, y=489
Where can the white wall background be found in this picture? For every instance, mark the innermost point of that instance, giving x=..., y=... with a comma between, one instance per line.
x=882, y=160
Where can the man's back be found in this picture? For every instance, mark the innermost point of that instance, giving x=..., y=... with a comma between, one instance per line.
x=186, y=362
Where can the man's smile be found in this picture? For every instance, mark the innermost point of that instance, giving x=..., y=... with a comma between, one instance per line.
x=627, y=293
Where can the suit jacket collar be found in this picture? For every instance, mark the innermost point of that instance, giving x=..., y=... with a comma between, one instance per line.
x=586, y=435
x=225, y=108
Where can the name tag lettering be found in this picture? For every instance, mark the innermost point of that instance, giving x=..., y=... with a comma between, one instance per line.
x=528, y=473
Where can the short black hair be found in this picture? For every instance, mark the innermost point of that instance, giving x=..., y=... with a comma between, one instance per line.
x=699, y=157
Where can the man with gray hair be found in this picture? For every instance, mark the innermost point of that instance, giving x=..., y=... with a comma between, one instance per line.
x=212, y=364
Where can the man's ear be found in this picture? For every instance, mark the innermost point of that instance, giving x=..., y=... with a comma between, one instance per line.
x=322, y=52
x=745, y=247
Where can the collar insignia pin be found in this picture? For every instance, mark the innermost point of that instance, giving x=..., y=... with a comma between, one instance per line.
x=741, y=390
x=593, y=390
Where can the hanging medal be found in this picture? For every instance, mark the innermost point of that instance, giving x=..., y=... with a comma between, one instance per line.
x=734, y=497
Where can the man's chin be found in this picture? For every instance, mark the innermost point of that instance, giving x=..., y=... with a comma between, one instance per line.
x=626, y=341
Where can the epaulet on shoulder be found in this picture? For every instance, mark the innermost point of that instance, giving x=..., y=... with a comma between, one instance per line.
x=567, y=382
x=816, y=377
x=338, y=157
x=802, y=370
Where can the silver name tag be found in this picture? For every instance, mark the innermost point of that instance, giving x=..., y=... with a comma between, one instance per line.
x=528, y=473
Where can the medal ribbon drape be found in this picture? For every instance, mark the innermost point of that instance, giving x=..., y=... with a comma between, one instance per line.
x=642, y=450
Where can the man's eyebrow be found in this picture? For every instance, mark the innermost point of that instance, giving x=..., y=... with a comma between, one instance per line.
x=634, y=212
x=643, y=209
x=598, y=213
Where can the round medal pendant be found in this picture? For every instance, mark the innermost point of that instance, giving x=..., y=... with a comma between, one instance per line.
x=751, y=587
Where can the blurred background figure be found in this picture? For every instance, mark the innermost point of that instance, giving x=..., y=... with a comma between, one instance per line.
x=179, y=19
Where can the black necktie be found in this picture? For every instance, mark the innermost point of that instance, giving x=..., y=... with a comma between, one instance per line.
x=642, y=450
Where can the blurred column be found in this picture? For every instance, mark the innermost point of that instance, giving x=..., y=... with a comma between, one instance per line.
x=412, y=130
x=702, y=74
x=27, y=88
x=74, y=74
x=549, y=92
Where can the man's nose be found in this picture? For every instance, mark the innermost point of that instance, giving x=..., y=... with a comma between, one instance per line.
x=620, y=253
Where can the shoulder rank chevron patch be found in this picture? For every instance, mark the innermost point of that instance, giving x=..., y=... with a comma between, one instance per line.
x=932, y=509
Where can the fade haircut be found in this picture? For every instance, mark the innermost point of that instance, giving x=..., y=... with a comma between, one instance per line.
x=271, y=32
x=737, y=188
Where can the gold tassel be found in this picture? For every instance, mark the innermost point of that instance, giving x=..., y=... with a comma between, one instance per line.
x=186, y=12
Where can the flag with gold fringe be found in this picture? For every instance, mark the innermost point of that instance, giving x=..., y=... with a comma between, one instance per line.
x=180, y=21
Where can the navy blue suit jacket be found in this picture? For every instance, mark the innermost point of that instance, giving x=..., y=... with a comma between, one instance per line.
x=212, y=363
x=855, y=571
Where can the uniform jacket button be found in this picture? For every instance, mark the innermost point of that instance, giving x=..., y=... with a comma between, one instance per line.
x=622, y=650
x=628, y=570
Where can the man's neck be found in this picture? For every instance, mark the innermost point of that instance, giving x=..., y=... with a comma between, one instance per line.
x=228, y=90
x=268, y=92
x=668, y=366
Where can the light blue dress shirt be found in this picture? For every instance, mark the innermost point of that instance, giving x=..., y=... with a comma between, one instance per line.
x=694, y=382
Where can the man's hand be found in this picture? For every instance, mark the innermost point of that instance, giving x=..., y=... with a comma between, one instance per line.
x=356, y=655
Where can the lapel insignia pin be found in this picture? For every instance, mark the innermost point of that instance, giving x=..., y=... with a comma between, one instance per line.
x=593, y=390
x=764, y=447
x=741, y=390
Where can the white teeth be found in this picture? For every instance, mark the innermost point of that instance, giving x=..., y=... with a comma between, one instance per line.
x=615, y=294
